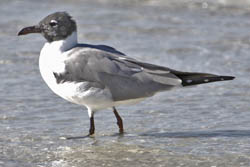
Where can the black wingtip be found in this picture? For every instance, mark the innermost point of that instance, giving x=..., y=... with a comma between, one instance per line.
x=224, y=78
x=202, y=79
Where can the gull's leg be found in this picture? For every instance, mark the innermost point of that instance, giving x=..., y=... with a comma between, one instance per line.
x=92, y=125
x=91, y=129
x=119, y=120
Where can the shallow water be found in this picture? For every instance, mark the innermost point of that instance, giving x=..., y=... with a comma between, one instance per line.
x=207, y=125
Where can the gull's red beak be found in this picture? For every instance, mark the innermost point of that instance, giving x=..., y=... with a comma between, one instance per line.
x=28, y=30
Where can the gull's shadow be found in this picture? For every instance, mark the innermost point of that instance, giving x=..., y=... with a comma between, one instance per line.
x=200, y=134
x=119, y=135
x=77, y=137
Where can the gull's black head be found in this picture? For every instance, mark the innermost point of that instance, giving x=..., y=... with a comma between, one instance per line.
x=54, y=27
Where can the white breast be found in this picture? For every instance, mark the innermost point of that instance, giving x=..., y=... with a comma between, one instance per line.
x=52, y=60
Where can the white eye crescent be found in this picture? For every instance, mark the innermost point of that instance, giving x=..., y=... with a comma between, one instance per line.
x=53, y=23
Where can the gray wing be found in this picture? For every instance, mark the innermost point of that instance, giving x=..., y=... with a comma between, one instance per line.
x=104, y=48
x=126, y=77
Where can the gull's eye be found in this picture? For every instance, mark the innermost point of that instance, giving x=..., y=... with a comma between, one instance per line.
x=53, y=23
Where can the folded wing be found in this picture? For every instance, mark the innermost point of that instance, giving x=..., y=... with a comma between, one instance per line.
x=125, y=77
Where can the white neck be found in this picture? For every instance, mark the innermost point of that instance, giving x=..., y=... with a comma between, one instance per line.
x=64, y=45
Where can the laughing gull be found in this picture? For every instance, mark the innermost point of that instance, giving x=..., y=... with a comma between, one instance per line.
x=99, y=76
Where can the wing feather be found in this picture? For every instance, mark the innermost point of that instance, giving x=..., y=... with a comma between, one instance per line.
x=126, y=77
